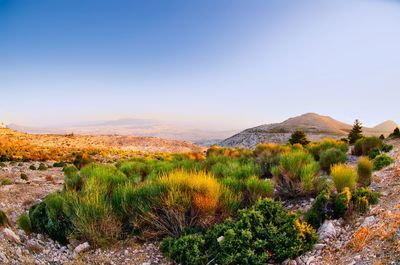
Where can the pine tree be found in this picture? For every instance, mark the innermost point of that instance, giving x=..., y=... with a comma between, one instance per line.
x=299, y=137
x=395, y=133
x=356, y=132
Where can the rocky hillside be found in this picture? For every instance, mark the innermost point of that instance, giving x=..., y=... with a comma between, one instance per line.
x=316, y=126
x=106, y=142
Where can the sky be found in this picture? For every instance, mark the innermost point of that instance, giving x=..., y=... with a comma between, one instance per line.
x=222, y=63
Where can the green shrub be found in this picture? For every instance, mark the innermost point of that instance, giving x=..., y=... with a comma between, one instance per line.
x=49, y=216
x=82, y=160
x=319, y=211
x=343, y=176
x=296, y=174
x=25, y=223
x=365, y=145
x=267, y=156
x=60, y=164
x=386, y=148
x=364, y=171
x=6, y=182
x=374, y=153
x=187, y=249
x=2, y=164
x=32, y=167
x=342, y=203
x=382, y=161
x=38, y=217
x=299, y=137
x=316, y=148
x=331, y=157
x=72, y=179
x=372, y=197
x=3, y=219
x=258, y=234
x=24, y=176
x=257, y=189
x=42, y=166
x=234, y=168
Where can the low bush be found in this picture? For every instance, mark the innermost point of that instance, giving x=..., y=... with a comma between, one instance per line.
x=320, y=210
x=3, y=219
x=382, y=161
x=365, y=145
x=234, y=168
x=364, y=197
x=331, y=157
x=6, y=182
x=262, y=233
x=32, y=167
x=364, y=171
x=296, y=174
x=316, y=148
x=42, y=166
x=60, y=164
x=24, y=176
x=342, y=203
x=328, y=205
x=81, y=160
x=50, y=217
x=343, y=176
x=374, y=153
x=267, y=156
x=386, y=148
x=25, y=223
x=72, y=179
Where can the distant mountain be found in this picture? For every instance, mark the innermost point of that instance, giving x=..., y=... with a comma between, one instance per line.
x=316, y=126
x=137, y=127
x=385, y=127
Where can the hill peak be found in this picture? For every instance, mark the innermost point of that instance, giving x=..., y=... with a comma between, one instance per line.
x=386, y=126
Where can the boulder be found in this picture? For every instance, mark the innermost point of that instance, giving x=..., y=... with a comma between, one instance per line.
x=327, y=230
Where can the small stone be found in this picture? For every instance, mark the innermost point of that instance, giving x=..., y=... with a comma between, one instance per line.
x=82, y=248
x=319, y=246
x=34, y=247
x=10, y=235
x=220, y=239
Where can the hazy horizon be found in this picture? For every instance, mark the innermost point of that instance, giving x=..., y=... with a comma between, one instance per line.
x=225, y=64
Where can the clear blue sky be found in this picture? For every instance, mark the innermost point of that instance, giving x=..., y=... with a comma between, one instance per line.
x=232, y=63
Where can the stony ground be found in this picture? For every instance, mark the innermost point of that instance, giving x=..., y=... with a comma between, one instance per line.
x=372, y=239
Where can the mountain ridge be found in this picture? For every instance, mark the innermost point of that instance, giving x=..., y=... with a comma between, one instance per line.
x=315, y=125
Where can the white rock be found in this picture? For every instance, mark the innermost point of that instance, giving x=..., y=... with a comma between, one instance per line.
x=220, y=239
x=369, y=221
x=327, y=230
x=10, y=235
x=3, y=257
x=82, y=248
